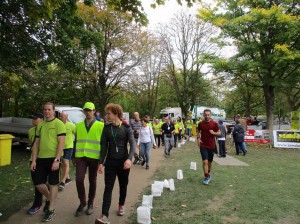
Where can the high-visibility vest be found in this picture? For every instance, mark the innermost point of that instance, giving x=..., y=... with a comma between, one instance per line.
x=88, y=143
x=189, y=124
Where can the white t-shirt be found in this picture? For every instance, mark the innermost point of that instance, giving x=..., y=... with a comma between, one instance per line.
x=146, y=135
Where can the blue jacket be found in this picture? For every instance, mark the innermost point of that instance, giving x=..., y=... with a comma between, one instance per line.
x=238, y=133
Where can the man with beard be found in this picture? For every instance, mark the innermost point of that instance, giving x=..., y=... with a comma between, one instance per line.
x=136, y=126
x=46, y=152
x=207, y=130
x=87, y=155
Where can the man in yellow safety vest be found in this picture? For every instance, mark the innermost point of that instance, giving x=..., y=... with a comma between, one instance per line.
x=87, y=155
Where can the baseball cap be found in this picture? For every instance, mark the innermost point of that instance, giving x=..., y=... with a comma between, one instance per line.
x=89, y=106
x=37, y=115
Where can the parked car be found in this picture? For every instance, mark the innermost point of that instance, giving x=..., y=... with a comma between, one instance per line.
x=19, y=127
x=229, y=124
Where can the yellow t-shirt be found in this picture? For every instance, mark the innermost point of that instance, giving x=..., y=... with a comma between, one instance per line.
x=70, y=131
x=47, y=132
x=149, y=124
x=156, y=129
x=31, y=134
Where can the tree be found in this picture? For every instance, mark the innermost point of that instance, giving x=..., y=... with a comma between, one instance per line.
x=106, y=67
x=266, y=34
x=39, y=30
x=291, y=92
x=188, y=45
x=147, y=74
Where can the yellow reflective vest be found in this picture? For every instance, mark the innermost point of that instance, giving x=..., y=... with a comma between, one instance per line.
x=88, y=143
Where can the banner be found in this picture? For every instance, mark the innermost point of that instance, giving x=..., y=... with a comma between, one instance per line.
x=259, y=136
x=295, y=120
x=286, y=139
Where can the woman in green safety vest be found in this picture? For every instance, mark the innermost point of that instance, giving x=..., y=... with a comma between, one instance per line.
x=189, y=125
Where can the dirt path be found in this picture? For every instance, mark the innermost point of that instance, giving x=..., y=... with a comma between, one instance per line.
x=67, y=201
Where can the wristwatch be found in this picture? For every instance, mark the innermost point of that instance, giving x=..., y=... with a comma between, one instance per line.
x=56, y=160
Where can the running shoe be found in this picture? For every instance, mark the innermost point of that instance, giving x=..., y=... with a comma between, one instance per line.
x=79, y=210
x=61, y=186
x=206, y=180
x=33, y=210
x=121, y=211
x=68, y=180
x=102, y=220
x=48, y=216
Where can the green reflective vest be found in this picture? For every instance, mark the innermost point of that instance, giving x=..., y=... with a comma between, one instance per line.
x=88, y=143
x=189, y=124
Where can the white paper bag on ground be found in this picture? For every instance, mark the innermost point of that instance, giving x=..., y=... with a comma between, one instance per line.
x=192, y=165
x=192, y=139
x=179, y=175
x=156, y=190
x=166, y=184
x=143, y=215
x=195, y=166
x=172, y=185
x=161, y=184
x=178, y=145
x=147, y=201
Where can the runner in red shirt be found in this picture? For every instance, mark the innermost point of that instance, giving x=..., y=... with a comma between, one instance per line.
x=207, y=130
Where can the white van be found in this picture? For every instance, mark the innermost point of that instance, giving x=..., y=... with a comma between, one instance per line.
x=172, y=112
x=216, y=113
x=75, y=114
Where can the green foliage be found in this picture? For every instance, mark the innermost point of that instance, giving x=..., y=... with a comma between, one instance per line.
x=266, y=34
x=32, y=31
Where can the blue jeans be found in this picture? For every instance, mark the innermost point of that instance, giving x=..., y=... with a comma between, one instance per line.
x=244, y=147
x=189, y=132
x=145, y=151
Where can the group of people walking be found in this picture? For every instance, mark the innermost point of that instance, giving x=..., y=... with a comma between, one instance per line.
x=92, y=145
x=95, y=146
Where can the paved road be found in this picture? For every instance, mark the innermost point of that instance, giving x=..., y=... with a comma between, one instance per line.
x=67, y=201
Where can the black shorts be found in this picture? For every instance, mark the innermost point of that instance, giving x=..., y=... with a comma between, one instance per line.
x=43, y=172
x=207, y=154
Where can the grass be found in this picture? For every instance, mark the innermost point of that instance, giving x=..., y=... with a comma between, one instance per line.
x=267, y=191
x=16, y=187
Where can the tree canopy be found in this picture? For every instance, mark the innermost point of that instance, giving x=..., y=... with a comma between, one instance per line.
x=266, y=34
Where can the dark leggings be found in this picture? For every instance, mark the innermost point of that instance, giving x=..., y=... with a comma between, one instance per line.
x=38, y=197
x=113, y=169
x=175, y=140
x=158, y=141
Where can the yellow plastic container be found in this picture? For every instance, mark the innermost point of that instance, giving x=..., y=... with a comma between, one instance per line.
x=5, y=149
x=194, y=130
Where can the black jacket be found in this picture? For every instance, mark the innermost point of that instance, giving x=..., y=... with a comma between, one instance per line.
x=238, y=133
x=114, y=141
x=167, y=128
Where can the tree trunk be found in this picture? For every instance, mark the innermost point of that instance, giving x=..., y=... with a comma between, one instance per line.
x=269, y=92
x=16, y=106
